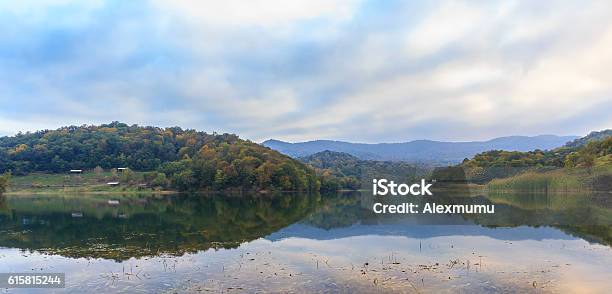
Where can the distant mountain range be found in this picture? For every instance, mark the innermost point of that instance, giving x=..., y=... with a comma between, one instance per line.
x=422, y=151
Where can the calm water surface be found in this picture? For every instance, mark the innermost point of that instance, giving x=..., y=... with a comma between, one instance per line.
x=309, y=243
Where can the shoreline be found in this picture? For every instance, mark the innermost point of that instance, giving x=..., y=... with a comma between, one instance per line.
x=149, y=192
x=21, y=193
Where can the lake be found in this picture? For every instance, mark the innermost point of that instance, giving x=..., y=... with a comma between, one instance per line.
x=309, y=243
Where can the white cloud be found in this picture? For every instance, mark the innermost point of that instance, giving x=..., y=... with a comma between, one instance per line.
x=314, y=69
x=258, y=12
x=449, y=23
x=485, y=87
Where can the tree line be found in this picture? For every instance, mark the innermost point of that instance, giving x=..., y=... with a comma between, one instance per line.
x=339, y=170
x=594, y=150
x=181, y=159
x=582, y=156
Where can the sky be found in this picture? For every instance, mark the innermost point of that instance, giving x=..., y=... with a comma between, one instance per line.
x=361, y=71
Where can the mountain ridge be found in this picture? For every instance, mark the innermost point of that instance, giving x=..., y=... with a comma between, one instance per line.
x=429, y=151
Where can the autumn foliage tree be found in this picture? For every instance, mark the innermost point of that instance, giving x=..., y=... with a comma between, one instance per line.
x=182, y=159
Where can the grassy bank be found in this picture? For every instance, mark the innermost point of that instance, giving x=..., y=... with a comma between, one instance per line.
x=560, y=180
x=87, y=182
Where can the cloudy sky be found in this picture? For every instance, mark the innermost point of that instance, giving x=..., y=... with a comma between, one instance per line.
x=365, y=71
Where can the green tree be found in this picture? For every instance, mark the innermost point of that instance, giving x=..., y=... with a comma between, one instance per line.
x=220, y=179
x=127, y=176
x=184, y=180
x=5, y=181
x=571, y=160
x=160, y=180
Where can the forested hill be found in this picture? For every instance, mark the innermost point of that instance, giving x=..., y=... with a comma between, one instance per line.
x=189, y=159
x=422, y=151
x=592, y=154
x=596, y=148
x=108, y=145
x=349, y=172
x=593, y=136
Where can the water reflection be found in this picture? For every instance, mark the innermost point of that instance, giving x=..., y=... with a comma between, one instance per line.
x=122, y=227
x=309, y=242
